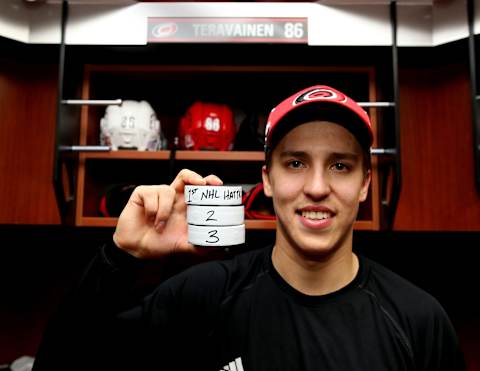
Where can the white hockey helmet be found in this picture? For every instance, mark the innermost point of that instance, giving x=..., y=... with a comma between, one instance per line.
x=132, y=125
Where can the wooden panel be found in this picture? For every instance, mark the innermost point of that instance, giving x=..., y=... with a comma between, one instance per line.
x=438, y=191
x=113, y=81
x=27, y=114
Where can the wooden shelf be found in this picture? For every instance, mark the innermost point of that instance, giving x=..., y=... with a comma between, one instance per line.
x=180, y=155
x=127, y=155
x=364, y=225
x=249, y=223
x=220, y=155
x=92, y=221
x=260, y=224
x=89, y=221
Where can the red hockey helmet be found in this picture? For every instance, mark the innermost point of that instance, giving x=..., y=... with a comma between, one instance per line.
x=207, y=126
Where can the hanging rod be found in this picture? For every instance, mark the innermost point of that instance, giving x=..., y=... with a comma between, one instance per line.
x=84, y=148
x=383, y=151
x=376, y=104
x=92, y=102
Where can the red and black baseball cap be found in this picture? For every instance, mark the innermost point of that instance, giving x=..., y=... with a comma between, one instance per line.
x=322, y=103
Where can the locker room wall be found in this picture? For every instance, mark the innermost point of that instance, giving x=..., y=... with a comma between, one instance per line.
x=436, y=230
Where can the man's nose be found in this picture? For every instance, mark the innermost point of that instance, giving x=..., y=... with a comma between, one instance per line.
x=317, y=184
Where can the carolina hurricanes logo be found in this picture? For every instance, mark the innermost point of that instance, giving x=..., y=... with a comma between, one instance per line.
x=165, y=30
x=320, y=94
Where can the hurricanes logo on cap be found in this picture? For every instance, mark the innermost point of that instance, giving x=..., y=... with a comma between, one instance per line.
x=319, y=94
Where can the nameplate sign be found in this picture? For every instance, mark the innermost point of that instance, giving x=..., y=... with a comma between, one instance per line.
x=227, y=30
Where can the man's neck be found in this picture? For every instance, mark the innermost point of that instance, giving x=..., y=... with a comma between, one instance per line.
x=313, y=276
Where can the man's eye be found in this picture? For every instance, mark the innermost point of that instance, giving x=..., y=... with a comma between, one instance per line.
x=295, y=164
x=339, y=166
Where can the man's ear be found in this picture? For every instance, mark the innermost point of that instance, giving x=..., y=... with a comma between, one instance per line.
x=267, y=187
x=365, y=185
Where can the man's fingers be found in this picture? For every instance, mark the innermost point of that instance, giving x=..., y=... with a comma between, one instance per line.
x=165, y=205
x=157, y=201
x=213, y=180
x=147, y=196
x=186, y=176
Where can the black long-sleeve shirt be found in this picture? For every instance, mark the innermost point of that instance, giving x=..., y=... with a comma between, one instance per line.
x=240, y=315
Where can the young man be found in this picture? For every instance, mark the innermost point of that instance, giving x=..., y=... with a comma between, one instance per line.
x=306, y=303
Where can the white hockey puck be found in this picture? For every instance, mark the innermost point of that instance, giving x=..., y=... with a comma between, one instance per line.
x=200, y=235
x=215, y=215
x=213, y=195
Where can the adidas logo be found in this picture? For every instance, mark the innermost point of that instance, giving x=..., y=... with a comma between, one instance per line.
x=233, y=366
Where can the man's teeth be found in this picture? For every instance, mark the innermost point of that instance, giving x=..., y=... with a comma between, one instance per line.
x=316, y=215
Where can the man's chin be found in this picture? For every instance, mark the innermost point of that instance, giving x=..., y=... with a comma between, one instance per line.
x=316, y=250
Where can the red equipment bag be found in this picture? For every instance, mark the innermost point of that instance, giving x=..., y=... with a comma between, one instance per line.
x=257, y=205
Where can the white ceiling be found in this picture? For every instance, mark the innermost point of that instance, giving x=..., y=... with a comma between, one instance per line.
x=326, y=2
x=124, y=22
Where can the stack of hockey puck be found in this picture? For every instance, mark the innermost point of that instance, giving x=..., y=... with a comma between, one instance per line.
x=215, y=215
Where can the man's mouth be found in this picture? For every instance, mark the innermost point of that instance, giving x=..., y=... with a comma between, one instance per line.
x=316, y=215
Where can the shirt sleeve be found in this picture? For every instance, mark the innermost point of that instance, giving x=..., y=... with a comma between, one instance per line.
x=117, y=317
x=87, y=332
x=437, y=341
